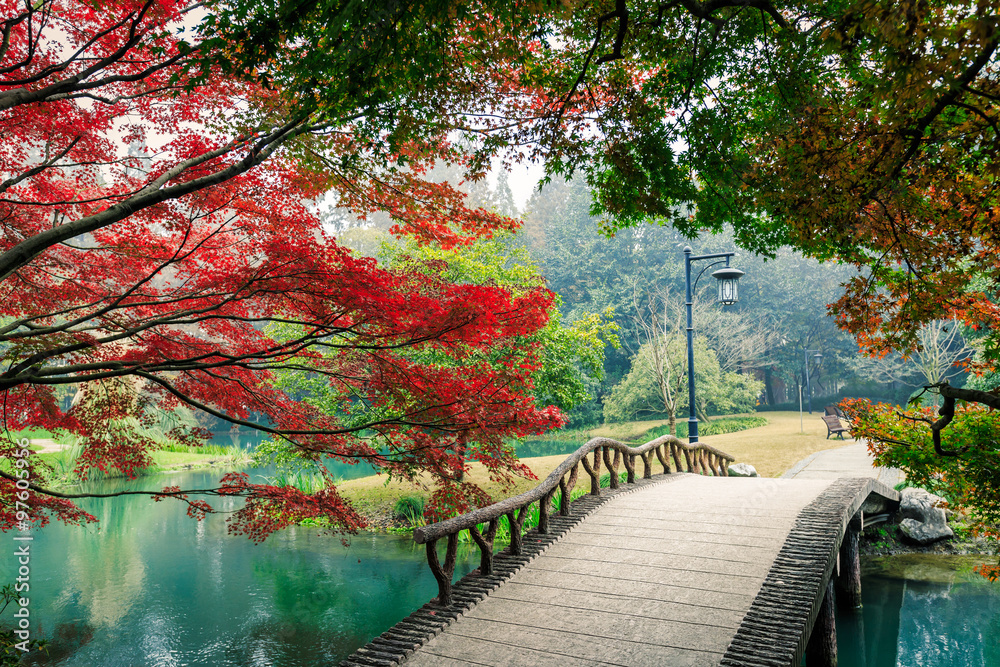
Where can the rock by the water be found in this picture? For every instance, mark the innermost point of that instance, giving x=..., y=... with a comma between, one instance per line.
x=742, y=470
x=924, y=520
x=921, y=505
x=924, y=533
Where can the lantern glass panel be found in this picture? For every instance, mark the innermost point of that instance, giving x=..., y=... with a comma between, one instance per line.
x=728, y=291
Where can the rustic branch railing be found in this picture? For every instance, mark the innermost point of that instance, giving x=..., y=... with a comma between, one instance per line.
x=699, y=458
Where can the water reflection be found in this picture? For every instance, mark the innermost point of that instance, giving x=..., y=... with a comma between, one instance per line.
x=546, y=447
x=151, y=587
x=249, y=439
x=922, y=610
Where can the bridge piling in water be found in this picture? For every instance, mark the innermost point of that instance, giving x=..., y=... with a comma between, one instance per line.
x=849, y=579
x=845, y=590
x=822, y=648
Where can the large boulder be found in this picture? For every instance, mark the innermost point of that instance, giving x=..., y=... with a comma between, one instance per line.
x=923, y=519
x=742, y=470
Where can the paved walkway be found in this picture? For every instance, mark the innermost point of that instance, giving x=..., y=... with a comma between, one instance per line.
x=47, y=445
x=851, y=460
x=661, y=576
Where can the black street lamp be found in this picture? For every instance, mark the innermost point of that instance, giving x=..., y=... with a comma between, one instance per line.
x=728, y=294
x=809, y=394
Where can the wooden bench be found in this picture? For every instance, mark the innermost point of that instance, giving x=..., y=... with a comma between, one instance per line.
x=833, y=426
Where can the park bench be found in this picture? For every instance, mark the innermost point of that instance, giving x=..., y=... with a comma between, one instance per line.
x=834, y=427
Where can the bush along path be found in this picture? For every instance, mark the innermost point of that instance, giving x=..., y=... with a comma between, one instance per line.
x=717, y=426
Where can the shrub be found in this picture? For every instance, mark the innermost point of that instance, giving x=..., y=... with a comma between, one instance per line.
x=304, y=481
x=877, y=394
x=411, y=509
x=714, y=427
x=10, y=653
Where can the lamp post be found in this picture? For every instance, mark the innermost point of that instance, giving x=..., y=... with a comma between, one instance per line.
x=809, y=394
x=728, y=294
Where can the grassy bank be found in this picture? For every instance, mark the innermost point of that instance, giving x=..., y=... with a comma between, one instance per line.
x=771, y=449
x=64, y=461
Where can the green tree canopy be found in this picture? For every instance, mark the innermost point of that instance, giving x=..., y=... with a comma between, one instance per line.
x=571, y=356
x=657, y=384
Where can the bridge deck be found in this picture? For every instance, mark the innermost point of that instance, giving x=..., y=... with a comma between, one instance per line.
x=661, y=576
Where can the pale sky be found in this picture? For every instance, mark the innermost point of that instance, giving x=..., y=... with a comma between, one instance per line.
x=522, y=181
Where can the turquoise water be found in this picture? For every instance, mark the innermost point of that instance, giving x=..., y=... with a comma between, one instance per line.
x=922, y=611
x=248, y=439
x=150, y=587
x=548, y=447
x=525, y=448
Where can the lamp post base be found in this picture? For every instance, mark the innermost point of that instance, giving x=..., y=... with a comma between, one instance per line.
x=692, y=430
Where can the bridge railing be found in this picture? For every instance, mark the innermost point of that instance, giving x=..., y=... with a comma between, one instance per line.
x=699, y=458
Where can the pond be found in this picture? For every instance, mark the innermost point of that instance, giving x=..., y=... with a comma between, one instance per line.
x=528, y=447
x=546, y=447
x=149, y=586
x=922, y=610
x=249, y=439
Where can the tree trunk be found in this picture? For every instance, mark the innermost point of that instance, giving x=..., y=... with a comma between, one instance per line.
x=702, y=415
x=769, y=385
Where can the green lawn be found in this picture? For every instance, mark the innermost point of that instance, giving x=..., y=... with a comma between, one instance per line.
x=162, y=461
x=33, y=433
x=775, y=448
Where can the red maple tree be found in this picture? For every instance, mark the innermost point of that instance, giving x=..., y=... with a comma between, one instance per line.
x=159, y=249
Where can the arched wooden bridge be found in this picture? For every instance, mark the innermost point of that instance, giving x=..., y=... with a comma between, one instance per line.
x=668, y=569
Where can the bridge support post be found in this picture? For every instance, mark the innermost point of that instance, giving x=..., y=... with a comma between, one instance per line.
x=822, y=648
x=849, y=579
x=443, y=573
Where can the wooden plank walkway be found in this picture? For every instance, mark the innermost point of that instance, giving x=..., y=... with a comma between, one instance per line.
x=661, y=576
